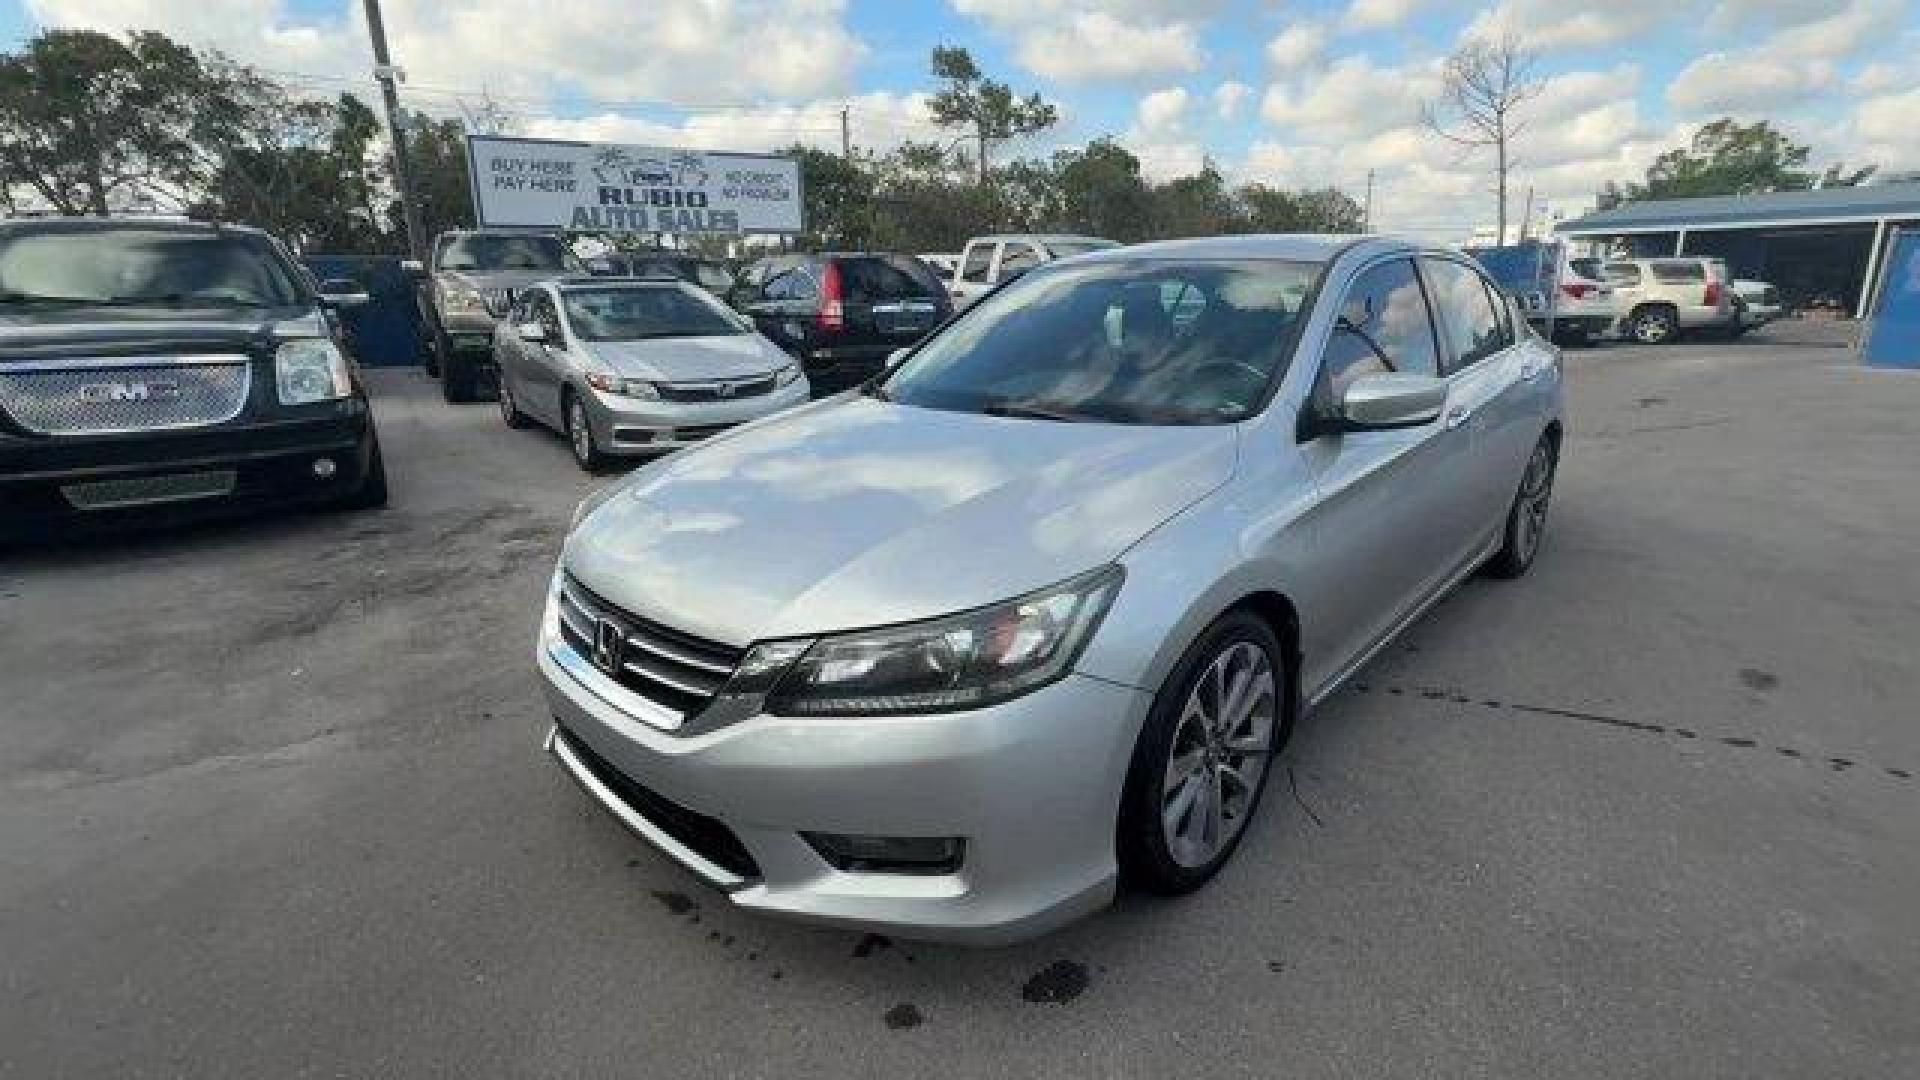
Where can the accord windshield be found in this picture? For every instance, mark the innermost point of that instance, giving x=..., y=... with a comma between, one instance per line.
x=492, y=253
x=1145, y=342
x=143, y=266
x=635, y=314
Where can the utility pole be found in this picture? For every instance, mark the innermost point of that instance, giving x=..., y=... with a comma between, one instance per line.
x=386, y=75
x=1366, y=215
x=1526, y=219
x=846, y=135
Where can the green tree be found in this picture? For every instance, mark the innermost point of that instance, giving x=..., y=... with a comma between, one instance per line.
x=90, y=122
x=1197, y=204
x=437, y=154
x=835, y=192
x=987, y=110
x=1320, y=210
x=1103, y=193
x=1726, y=157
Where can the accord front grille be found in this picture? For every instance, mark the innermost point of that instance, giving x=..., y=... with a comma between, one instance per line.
x=674, y=670
x=108, y=396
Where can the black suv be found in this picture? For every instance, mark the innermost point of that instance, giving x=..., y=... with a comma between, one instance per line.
x=166, y=369
x=842, y=314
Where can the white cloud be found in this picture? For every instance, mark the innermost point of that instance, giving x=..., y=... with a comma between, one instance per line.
x=1354, y=98
x=1091, y=40
x=1379, y=14
x=1890, y=119
x=1742, y=82
x=692, y=54
x=1300, y=45
x=1163, y=109
x=1160, y=136
x=880, y=121
x=1550, y=25
x=1229, y=96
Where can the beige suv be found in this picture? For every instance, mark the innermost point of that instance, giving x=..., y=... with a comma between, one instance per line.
x=1659, y=299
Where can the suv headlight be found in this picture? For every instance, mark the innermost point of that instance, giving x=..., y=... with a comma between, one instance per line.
x=963, y=661
x=307, y=370
x=613, y=384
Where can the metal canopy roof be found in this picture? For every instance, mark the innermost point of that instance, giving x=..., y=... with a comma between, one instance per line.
x=1823, y=206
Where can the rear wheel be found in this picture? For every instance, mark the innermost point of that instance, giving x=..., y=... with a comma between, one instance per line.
x=1202, y=759
x=1527, y=519
x=1654, y=324
x=509, y=408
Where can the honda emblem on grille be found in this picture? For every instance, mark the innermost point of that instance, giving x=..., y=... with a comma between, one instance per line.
x=129, y=391
x=609, y=641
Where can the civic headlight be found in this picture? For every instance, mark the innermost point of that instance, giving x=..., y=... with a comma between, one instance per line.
x=633, y=388
x=456, y=297
x=786, y=375
x=963, y=661
x=307, y=370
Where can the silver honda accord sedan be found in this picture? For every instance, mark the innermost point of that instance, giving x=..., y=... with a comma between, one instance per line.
x=956, y=654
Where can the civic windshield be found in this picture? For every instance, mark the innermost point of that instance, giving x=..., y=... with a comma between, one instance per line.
x=636, y=313
x=1061, y=249
x=484, y=253
x=1121, y=342
x=142, y=266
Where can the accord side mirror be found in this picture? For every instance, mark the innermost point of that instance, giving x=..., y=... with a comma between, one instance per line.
x=1392, y=400
x=531, y=331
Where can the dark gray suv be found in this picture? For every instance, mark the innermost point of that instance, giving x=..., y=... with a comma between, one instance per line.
x=471, y=280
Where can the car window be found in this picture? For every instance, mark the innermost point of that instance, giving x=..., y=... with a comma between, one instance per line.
x=1469, y=315
x=1018, y=258
x=868, y=278
x=779, y=286
x=801, y=286
x=639, y=313
x=541, y=310
x=481, y=252
x=1679, y=273
x=1384, y=325
x=1586, y=268
x=1100, y=342
x=1627, y=274
x=133, y=265
x=978, y=264
x=712, y=277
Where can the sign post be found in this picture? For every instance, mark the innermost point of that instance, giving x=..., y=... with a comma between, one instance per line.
x=602, y=187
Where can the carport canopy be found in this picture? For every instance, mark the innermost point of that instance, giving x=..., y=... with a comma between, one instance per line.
x=1835, y=209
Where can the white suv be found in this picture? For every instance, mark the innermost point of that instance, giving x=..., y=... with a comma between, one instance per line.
x=989, y=260
x=1662, y=298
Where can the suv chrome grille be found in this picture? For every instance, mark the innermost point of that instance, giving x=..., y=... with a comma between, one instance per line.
x=498, y=300
x=677, y=671
x=105, y=396
x=717, y=390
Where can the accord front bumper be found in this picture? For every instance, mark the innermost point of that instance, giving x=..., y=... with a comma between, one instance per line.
x=1032, y=787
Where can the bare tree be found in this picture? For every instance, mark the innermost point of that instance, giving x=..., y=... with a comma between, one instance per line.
x=1483, y=82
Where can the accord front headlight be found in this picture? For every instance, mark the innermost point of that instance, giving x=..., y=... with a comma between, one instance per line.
x=963, y=661
x=307, y=370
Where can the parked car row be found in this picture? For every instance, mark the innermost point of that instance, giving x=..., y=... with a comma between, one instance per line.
x=1651, y=301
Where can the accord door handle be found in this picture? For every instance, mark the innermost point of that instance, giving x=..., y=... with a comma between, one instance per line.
x=1457, y=415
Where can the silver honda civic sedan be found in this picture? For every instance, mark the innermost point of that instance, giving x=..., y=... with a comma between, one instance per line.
x=635, y=367
x=1027, y=617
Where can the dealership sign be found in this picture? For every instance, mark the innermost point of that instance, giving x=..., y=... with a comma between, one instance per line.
x=602, y=187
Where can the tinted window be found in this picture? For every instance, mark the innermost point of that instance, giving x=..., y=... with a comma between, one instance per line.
x=1105, y=342
x=541, y=310
x=1679, y=273
x=864, y=280
x=1586, y=268
x=1383, y=326
x=1018, y=258
x=1469, y=315
x=642, y=312
x=712, y=277
x=979, y=262
x=172, y=267
x=485, y=253
x=1623, y=273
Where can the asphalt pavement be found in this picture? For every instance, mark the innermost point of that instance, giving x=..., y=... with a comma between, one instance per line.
x=272, y=802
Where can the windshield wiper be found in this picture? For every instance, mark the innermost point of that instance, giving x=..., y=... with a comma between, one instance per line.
x=180, y=300
x=1034, y=410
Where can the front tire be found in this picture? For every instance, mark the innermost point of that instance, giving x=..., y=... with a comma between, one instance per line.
x=586, y=452
x=1527, y=518
x=1201, y=762
x=372, y=492
x=510, y=412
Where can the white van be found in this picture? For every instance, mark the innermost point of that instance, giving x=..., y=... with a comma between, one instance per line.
x=989, y=260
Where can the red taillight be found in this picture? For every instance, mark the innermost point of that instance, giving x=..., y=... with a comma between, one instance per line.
x=1714, y=293
x=832, y=316
x=1578, y=289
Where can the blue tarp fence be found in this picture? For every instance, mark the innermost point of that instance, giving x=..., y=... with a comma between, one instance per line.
x=385, y=332
x=1892, y=336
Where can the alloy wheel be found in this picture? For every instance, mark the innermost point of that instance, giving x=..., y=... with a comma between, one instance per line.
x=578, y=432
x=1219, y=754
x=507, y=410
x=1536, y=492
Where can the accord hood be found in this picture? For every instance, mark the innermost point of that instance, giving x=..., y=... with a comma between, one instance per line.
x=690, y=359
x=856, y=512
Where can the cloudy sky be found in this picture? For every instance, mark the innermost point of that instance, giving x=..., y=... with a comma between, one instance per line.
x=1298, y=92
